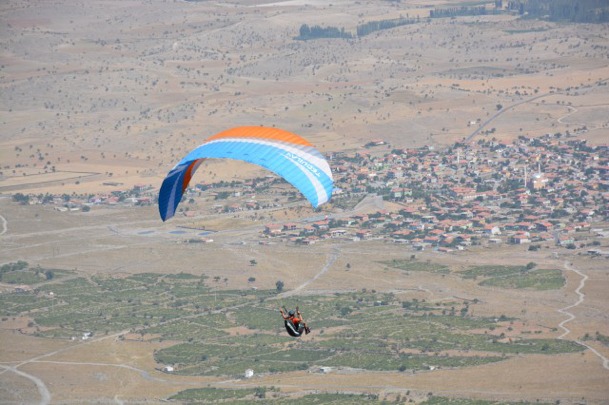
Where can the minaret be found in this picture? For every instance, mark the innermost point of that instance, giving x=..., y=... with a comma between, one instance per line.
x=525, y=177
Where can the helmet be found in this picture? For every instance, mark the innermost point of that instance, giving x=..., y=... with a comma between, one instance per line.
x=291, y=313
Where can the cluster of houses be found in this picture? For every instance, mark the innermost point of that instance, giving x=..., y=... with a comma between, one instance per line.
x=138, y=195
x=550, y=189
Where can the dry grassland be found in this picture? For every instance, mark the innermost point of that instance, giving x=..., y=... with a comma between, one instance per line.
x=125, y=91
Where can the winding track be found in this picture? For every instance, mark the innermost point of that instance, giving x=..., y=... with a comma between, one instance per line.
x=45, y=394
x=572, y=110
x=571, y=316
x=331, y=259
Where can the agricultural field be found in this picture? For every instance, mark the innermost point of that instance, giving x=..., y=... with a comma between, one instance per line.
x=517, y=277
x=212, y=395
x=361, y=330
x=183, y=307
x=412, y=265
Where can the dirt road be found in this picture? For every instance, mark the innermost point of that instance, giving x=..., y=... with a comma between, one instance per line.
x=571, y=316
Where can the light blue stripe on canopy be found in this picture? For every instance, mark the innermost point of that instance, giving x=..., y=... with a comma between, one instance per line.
x=303, y=167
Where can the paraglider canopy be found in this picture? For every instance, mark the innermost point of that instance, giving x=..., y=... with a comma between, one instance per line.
x=288, y=155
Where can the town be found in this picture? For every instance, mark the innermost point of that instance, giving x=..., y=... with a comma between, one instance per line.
x=553, y=189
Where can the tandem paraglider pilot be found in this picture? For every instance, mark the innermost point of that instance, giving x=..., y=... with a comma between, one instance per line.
x=294, y=324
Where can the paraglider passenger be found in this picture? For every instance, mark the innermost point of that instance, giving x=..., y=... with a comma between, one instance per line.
x=294, y=323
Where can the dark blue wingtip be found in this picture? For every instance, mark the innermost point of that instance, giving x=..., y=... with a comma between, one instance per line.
x=164, y=200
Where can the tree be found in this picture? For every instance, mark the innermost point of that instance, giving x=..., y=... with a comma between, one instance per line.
x=260, y=392
x=305, y=31
x=21, y=198
x=253, y=262
x=279, y=284
x=531, y=265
